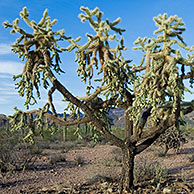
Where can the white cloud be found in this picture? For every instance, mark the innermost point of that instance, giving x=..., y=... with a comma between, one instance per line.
x=7, y=89
x=4, y=101
x=6, y=92
x=2, y=89
x=10, y=93
x=11, y=67
x=10, y=85
x=5, y=49
x=5, y=76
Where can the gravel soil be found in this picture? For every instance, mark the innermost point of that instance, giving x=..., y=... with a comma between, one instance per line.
x=57, y=170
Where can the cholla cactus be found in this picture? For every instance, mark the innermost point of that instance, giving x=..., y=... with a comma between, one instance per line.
x=172, y=139
x=152, y=100
x=162, y=84
x=38, y=49
x=98, y=62
x=97, y=54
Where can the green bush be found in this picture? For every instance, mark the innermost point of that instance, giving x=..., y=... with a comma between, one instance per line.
x=146, y=170
x=15, y=154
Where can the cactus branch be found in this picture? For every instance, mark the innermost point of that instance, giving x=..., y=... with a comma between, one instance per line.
x=50, y=99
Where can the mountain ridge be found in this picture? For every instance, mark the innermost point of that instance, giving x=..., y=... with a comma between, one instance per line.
x=117, y=115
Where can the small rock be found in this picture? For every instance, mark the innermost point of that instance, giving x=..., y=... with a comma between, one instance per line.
x=104, y=185
x=166, y=190
x=109, y=190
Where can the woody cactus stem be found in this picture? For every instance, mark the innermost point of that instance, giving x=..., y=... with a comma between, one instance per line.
x=99, y=124
x=127, y=176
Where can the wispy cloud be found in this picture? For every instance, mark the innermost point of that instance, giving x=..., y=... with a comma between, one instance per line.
x=8, y=93
x=7, y=89
x=7, y=84
x=5, y=49
x=4, y=101
x=5, y=76
x=11, y=67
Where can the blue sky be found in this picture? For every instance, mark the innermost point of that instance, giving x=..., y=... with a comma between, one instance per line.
x=137, y=19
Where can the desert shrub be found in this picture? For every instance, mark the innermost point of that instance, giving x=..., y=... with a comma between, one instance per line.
x=119, y=131
x=70, y=145
x=146, y=170
x=79, y=160
x=34, y=149
x=91, y=144
x=99, y=179
x=189, y=129
x=172, y=139
x=55, y=158
x=15, y=154
x=191, y=159
x=57, y=145
x=112, y=162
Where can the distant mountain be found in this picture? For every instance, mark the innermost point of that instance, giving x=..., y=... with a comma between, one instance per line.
x=117, y=115
x=3, y=120
x=67, y=115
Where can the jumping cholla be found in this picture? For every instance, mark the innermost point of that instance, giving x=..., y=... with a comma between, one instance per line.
x=150, y=93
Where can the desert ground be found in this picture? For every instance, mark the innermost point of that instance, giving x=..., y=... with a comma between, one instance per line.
x=82, y=167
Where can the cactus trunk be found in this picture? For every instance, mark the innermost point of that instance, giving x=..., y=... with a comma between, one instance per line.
x=127, y=170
